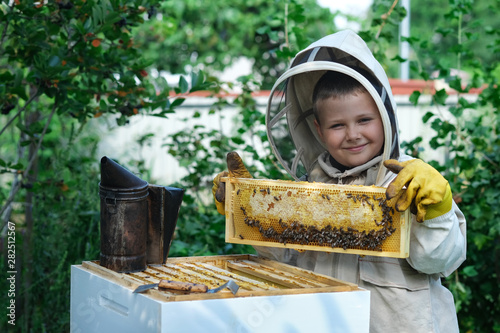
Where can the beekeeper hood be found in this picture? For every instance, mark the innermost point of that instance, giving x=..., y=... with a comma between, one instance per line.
x=289, y=110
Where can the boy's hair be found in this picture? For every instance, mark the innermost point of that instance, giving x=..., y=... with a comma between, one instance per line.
x=335, y=85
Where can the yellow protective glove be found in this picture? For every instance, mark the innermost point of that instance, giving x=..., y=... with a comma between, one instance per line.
x=420, y=186
x=236, y=169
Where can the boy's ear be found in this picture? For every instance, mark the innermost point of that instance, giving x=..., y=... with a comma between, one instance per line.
x=318, y=129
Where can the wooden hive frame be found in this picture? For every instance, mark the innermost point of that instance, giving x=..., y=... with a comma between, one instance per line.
x=315, y=216
x=254, y=275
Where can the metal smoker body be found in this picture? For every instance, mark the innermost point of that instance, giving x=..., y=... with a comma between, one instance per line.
x=137, y=219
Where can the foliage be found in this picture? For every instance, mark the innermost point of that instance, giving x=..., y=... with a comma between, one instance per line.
x=469, y=131
x=432, y=37
x=229, y=29
x=433, y=44
x=62, y=63
x=202, y=152
x=65, y=231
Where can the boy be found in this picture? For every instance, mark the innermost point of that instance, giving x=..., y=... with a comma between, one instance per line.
x=336, y=103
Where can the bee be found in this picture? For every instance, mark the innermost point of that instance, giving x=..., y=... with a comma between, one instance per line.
x=268, y=191
x=241, y=237
x=238, y=192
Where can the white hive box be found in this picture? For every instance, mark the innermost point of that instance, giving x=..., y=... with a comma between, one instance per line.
x=273, y=297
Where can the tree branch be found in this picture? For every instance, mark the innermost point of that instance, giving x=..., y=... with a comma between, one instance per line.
x=19, y=112
x=385, y=17
x=17, y=186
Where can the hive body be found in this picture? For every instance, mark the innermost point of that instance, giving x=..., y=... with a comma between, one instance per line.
x=315, y=216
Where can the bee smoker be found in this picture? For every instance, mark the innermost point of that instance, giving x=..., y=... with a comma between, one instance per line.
x=137, y=219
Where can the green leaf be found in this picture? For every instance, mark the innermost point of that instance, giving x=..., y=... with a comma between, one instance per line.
x=470, y=271
x=399, y=59
x=410, y=40
x=97, y=14
x=183, y=84
x=238, y=140
x=428, y=115
x=480, y=240
x=103, y=106
x=456, y=84
x=177, y=102
x=54, y=61
x=460, y=287
x=263, y=30
x=88, y=25
x=440, y=97
x=414, y=97
x=20, y=91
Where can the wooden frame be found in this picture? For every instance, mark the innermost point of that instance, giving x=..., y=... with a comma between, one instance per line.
x=360, y=214
x=256, y=276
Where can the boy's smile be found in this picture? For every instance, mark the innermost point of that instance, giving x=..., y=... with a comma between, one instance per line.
x=351, y=128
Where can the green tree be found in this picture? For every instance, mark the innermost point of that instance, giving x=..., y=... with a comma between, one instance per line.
x=62, y=63
x=468, y=132
x=433, y=40
x=210, y=35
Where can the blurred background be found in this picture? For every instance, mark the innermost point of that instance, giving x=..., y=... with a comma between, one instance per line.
x=167, y=88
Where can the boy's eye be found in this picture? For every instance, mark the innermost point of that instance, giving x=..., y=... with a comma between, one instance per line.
x=365, y=120
x=334, y=126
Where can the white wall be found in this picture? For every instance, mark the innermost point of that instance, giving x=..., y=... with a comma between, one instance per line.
x=120, y=142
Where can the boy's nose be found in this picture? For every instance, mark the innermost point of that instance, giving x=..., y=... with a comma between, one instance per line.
x=352, y=133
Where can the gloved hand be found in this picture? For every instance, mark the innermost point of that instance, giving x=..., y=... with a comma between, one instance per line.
x=427, y=191
x=236, y=169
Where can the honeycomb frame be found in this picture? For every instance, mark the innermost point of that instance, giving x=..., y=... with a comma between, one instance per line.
x=298, y=215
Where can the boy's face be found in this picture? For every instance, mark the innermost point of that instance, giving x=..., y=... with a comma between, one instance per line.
x=351, y=128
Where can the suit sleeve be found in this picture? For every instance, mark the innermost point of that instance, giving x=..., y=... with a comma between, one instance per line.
x=438, y=246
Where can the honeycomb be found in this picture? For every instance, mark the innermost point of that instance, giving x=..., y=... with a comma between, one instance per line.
x=315, y=216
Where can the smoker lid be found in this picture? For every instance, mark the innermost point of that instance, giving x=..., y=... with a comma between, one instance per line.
x=114, y=176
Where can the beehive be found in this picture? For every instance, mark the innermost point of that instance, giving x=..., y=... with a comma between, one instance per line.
x=271, y=298
x=254, y=275
x=315, y=216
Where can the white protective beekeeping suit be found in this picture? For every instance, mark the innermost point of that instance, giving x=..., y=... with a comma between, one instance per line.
x=406, y=294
